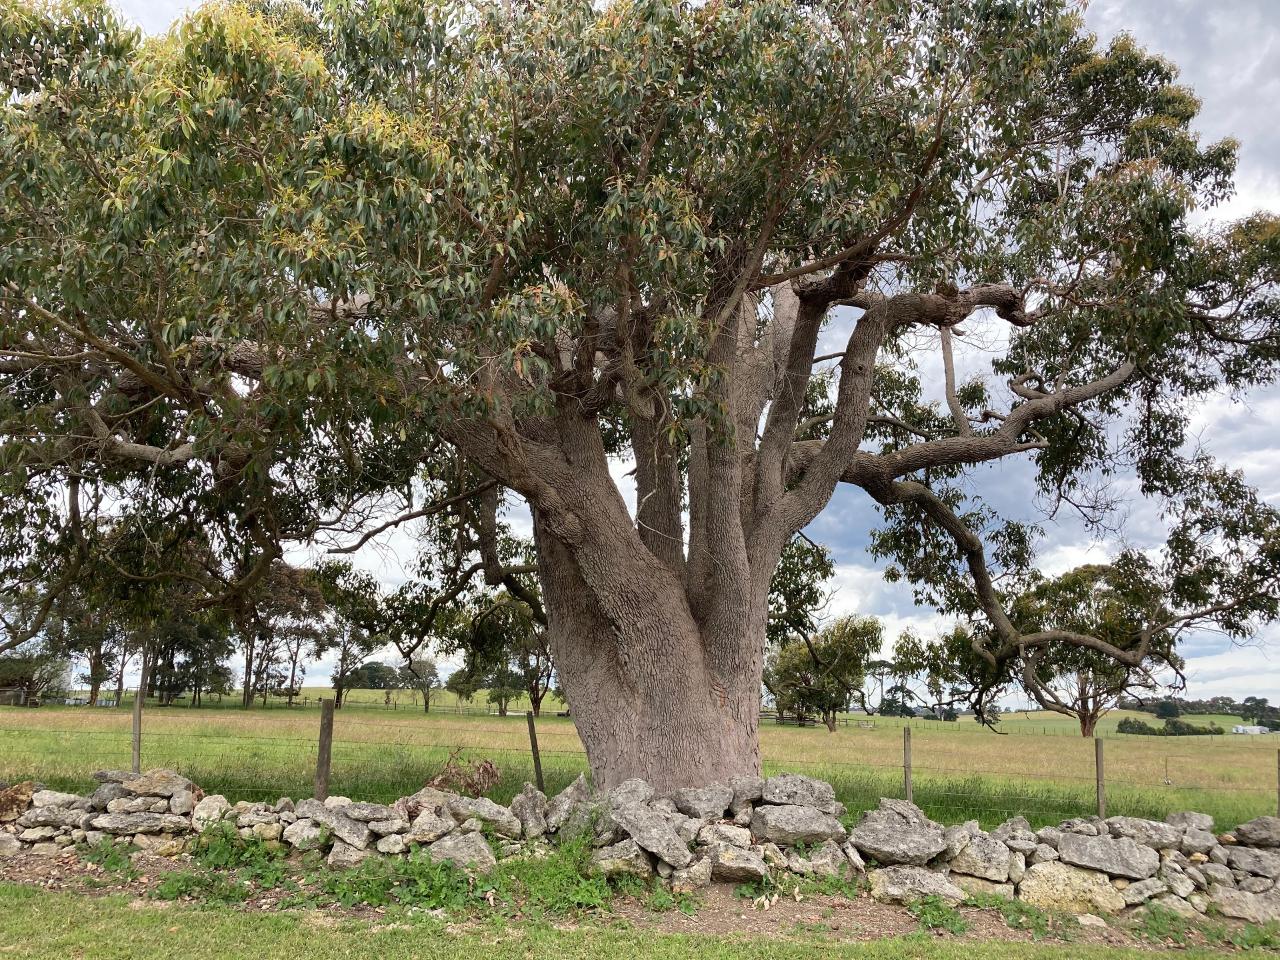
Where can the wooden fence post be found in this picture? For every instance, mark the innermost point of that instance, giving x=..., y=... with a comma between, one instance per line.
x=1278, y=783
x=324, y=750
x=533, y=745
x=1100, y=772
x=138, y=701
x=906, y=763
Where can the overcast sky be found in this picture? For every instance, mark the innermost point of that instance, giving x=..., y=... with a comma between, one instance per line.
x=1229, y=52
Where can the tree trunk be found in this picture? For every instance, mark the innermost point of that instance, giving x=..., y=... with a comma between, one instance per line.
x=829, y=718
x=1088, y=722
x=654, y=694
x=124, y=660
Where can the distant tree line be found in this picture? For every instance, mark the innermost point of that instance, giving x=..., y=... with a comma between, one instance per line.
x=1258, y=711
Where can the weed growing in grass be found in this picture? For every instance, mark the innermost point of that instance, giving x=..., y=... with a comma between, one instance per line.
x=1018, y=914
x=201, y=885
x=934, y=913
x=845, y=886
x=222, y=848
x=112, y=857
x=754, y=889
x=415, y=881
x=1162, y=925
x=662, y=900
x=1254, y=937
x=555, y=884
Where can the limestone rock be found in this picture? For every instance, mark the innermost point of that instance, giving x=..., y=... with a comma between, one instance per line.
x=956, y=839
x=392, y=844
x=629, y=792
x=1259, y=832
x=793, y=788
x=182, y=802
x=746, y=791
x=268, y=831
x=9, y=846
x=984, y=856
x=105, y=793
x=428, y=798
x=594, y=819
x=789, y=825
x=333, y=803
x=898, y=833
x=1177, y=904
x=1043, y=853
x=704, y=803
x=368, y=812
x=1191, y=821
x=625, y=858
x=1218, y=873
x=502, y=820
x=653, y=832
x=129, y=823
x=1059, y=886
x=429, y=827
x=724, y=833
x=1197, y=841
x=1256, y=884
x=15, y=800
x=529, y=806
x=903, y=884
x=854, y=857
x=385, y=828
x=464, y=850
x=160, y=783
x=209, y=811
x=52, y=798
x=344, y=856
x=735, y=864
x=304, y=834
x=54, y=817
x=692, y=878
x=1122, y=857
x=349, y=831
x=1138, y=893
x=115, y=776
x=1017, y=866
x=1149, y=833
x=1253, y=907
x=977, y=885
x=1261, y=863
x=829, y=861
x=562, y=805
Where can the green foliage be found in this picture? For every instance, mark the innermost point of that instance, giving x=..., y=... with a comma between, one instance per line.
x=553, y=885
x=1018, y=914
x=416, y=881
x=1162, y=925
x=821, y=675
x=111, y=856
x=1171, y=728
x=203, y=885
x=934, y=913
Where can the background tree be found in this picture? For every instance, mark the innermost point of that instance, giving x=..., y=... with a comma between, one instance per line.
x=684, y=197
x=422, y=676
x=1113, y=602
x=820, y=674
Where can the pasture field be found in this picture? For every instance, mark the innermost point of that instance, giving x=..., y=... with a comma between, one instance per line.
x=960, y=770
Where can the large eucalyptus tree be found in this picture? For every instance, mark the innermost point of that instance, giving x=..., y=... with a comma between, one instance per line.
x=271, y=264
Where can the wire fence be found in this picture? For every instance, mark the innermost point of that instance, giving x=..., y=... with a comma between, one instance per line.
x=247, y=757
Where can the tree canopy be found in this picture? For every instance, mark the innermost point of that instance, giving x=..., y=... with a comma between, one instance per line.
x=266, y=279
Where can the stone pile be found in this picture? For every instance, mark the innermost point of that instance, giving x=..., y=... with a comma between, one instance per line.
x=745, y=830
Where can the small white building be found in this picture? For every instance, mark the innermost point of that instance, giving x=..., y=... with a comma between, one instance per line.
x=1253, y=731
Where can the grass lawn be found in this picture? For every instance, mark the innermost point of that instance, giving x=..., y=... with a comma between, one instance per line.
x=961, y=770
x=39, y=925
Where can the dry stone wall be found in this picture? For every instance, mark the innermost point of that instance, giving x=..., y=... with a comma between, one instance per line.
x=746, y=830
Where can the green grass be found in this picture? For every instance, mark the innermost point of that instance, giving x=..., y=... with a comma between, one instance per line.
x=40, y=925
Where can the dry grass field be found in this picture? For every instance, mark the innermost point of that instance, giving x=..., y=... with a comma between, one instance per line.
x=1038, y=768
